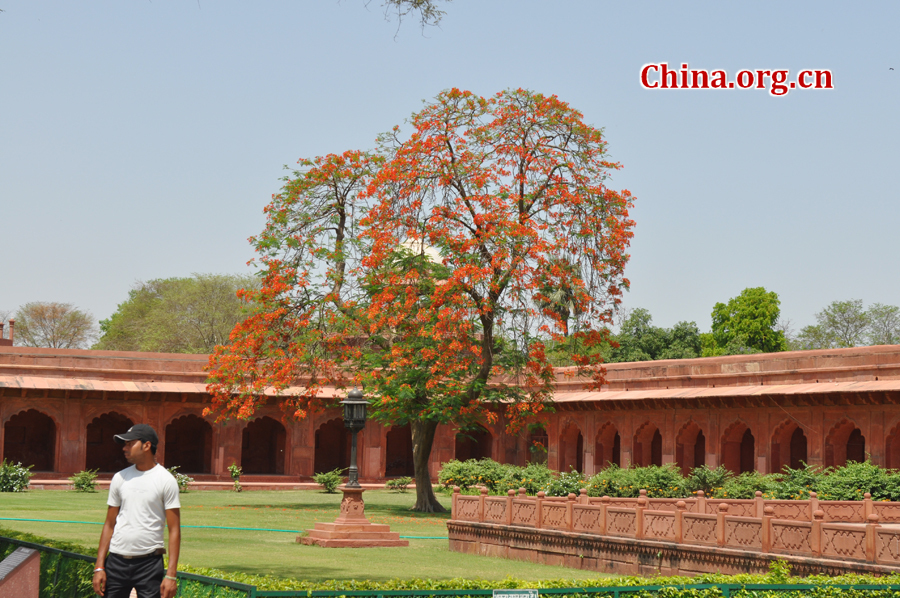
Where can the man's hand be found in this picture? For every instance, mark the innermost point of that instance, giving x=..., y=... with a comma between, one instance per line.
x=167, y=588
x=100, y=582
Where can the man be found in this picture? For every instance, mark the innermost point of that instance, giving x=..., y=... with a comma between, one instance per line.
x=142, y=499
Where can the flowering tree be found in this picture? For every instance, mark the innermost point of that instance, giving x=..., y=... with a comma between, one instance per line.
x=437, y=271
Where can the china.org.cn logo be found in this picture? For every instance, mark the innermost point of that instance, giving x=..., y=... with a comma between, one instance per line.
x=778, y=82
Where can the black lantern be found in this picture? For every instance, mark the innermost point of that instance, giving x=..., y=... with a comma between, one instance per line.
x=355, y=420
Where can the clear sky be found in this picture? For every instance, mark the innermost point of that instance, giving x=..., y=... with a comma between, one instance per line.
x=142, y=139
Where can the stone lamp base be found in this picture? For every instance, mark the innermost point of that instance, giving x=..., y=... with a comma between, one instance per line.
x=351, y=529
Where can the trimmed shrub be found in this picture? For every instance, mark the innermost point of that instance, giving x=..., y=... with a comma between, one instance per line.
x=183, y=480
x=235, y=470
x=533, y=477
x=330, y=480
x=14, y=477
x=399, y=484
x=707, y=479
x=472, y=473
x=567, y=482
x=85, y=481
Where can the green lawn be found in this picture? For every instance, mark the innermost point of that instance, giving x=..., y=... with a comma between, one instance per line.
x=277, y=553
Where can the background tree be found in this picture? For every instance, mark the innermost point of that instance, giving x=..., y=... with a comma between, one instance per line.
x=54, y=326
x=747, y=323
x=640, y=340
x=177, y=315
x=848, y=324
x=845, y=322
x=427, y=11
x=884, y=324
x=503, y=189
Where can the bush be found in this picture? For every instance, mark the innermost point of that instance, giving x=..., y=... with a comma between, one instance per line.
x=183, y=480
x=853, y=480
x=659, y=482
x=399, y=484
x=471, y=473
x=796, y=484
x=235, y=470
x=567, y=482
x=14, y=477
x=330, y=480
x=533, y=477
x=708, y=480
x=746, y=485
x=85, y=481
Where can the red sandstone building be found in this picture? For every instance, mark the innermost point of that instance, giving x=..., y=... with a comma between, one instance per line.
x=60, y=408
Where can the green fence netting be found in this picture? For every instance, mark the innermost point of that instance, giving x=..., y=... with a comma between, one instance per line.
x=68, y=575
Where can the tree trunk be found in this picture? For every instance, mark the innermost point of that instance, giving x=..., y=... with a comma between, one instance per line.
x=422, y=441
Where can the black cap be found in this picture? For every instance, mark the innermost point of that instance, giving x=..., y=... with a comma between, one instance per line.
x=141, y=432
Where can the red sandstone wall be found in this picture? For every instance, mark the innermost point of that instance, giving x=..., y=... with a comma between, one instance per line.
x=159, y=388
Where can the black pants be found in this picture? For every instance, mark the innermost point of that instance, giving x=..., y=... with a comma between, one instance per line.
x=142, y=573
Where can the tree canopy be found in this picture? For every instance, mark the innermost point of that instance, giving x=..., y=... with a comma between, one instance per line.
x=747, y=324
x=640, y=340
x=510, y=192
x=54, y=325
x=849, y=324
x=177, y=315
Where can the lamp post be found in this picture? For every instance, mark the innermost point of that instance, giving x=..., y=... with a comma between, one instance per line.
x=351, y=529
x=354, y=420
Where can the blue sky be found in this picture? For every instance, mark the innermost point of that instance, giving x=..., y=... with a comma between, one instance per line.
x=142, y=139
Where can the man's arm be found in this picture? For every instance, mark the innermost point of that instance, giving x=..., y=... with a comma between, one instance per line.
x=105, y=536
x=173, y=521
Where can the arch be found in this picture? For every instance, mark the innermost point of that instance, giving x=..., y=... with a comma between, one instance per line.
x=189, y=444
x=892, y=448
x=607, y=447
x=102, y=451
x=332, y=446
x=399, y=452
x=538, y=443
x=262, y=446
x=844, y=442
x=789, y=446
x=474, y=443
x=647, y=445
x=738, y=448
x=690, y=447
x=571, y=448
x=29, y=438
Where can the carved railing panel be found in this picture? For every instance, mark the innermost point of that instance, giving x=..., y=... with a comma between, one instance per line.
x=524, y=512
x=743, y=532
x=659, y=525
x=495, y=510
x=794, y=510
x=888, y=512
x=587, y=519
x=553, y=515
x=736, y=507
x=698, y=528
x=467, y=508
x=621, y=522
x=845, y=511
x=793, y=537
x=845, y=541
x=887, y=546
x=670, y=504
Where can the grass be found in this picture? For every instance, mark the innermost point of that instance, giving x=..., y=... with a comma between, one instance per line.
x=278, y=553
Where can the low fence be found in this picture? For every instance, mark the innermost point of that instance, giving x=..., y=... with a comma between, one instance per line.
x=865, y=531
x=69, y=575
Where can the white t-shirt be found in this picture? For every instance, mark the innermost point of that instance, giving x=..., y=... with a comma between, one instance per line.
x=143, y=498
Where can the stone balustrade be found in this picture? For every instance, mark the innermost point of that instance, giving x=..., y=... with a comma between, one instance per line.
x=865, y=531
